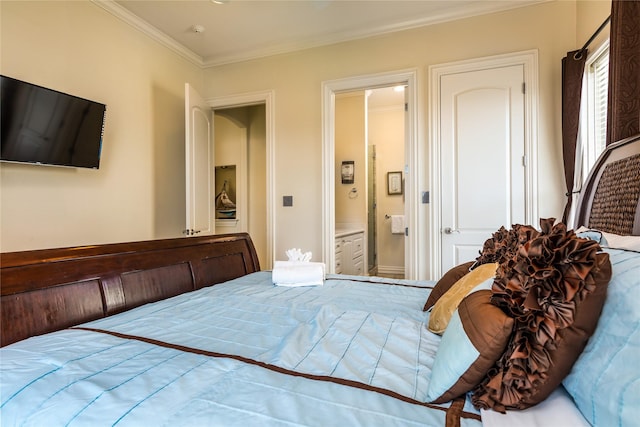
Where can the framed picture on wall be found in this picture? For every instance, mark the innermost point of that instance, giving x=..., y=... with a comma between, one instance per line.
x=394, y=182
x=347, y=171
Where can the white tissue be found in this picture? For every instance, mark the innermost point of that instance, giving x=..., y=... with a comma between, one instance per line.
x=295, y=254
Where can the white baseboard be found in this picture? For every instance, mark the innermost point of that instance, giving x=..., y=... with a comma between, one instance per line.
x=390, y=269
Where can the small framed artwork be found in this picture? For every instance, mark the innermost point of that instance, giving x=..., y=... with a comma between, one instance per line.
x=394, y=182
x=347, y=171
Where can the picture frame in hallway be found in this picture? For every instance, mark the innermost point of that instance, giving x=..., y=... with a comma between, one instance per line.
x=348, y=171
x=394, y=183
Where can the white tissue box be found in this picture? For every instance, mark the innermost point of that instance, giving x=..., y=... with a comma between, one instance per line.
x=298, y=273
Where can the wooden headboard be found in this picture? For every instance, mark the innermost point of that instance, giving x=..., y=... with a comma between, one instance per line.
x=46, y=290
x=610, y=197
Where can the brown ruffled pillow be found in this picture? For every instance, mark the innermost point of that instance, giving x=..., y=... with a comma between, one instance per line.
x=554, y=287
x=446, y=282
x=504, y=244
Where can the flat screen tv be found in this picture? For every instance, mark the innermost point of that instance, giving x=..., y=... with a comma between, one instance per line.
x=44, y=126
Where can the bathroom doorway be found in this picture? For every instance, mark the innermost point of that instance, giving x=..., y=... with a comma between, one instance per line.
x=370, y=138
x=413, y=170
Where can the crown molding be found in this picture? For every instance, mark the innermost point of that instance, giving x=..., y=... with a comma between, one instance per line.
x=468, y=11
x=476, y=9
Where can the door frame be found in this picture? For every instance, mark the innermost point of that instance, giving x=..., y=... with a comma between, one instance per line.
x=529, y=60
x=244, y=100
x=415, y=222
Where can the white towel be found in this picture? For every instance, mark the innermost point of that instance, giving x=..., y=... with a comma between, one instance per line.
x=298, y=273
x=397, y=224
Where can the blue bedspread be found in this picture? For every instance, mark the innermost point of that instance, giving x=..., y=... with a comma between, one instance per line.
x=244, y=353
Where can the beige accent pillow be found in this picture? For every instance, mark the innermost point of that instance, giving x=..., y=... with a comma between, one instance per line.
x=446, y=282
x=448, y=303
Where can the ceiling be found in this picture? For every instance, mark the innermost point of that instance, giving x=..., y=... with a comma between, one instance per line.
x=212, y=33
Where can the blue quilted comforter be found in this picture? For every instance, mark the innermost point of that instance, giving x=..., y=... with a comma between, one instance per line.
x=354, y=351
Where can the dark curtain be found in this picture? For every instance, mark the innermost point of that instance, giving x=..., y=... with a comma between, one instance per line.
x=623, y=115
x=572, y=71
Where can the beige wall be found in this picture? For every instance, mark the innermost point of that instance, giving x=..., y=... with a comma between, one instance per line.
x=386, y=132
x=351, y=208
x=590, y=15
x=296, y=78
x=138, y=192
x=258, y=182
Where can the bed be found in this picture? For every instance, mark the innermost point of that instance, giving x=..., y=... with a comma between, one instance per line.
x=191, y=332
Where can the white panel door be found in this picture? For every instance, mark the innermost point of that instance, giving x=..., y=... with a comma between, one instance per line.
x=482, y=153
x=199, y=164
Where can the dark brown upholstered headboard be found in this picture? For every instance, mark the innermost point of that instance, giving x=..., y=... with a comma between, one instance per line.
x=610, y=198
x=51, y=289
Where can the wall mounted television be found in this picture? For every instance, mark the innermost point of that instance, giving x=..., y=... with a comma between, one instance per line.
x=46, y=127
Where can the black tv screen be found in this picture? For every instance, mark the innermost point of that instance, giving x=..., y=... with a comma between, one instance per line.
x=44, y=126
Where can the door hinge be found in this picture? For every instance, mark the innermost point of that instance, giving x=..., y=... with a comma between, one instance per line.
x=524, y=87
x=406, y=106
x=524, y=161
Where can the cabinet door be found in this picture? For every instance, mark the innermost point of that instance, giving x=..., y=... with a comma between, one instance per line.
x=347, y=255
x=357, y=256
x=338, y=266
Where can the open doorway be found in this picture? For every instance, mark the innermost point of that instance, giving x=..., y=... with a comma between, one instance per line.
x=386, y=147
x=369, y=203
x=240, y=173
x=411, y=174
x=254, y=111
x=200, y=144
